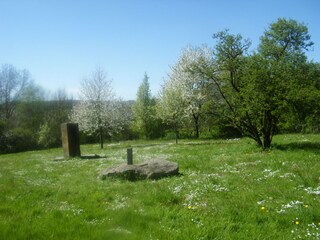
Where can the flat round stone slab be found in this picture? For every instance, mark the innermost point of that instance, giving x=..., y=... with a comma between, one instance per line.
x=151, y=169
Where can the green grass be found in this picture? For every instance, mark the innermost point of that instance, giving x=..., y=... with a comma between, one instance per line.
x=228, y=189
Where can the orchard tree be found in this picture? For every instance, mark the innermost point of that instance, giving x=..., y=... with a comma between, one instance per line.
x=257, y=89
x=284, y=45
x=278, y=70
x=186, y=92
x=194, y=86
x=98, y=110
x=285, y=40
x=171, y=106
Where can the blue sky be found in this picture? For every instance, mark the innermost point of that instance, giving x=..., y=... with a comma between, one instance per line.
x=62, y=41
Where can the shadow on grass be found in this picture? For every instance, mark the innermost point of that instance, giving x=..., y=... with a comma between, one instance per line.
x=82, y=157
x=294, y=146
x=133, y=145
x=92, y=156
x=171, y=142
x=191, y=142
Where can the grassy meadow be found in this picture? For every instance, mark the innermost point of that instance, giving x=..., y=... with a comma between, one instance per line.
x=228, y=189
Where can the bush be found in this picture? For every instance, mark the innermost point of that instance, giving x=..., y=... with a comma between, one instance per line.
x=3, y=126
x=46, y=139
x=18, y=140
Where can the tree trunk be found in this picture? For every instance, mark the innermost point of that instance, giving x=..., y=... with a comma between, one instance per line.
x=257, y=139
x=101, y=137
x=196, y=125
x=268, y=129
x=266, y=142
x=252, y=130
x=177, y=136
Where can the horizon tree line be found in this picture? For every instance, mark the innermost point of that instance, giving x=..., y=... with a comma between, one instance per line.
x=209, y=92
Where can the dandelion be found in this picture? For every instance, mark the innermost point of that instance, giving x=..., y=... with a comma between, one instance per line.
x=189, y=207
x=264, y=209
x=306, y=205
x=296, y=222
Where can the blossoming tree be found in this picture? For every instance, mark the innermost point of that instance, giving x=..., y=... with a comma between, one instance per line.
x=98, y=111
x=185, y=94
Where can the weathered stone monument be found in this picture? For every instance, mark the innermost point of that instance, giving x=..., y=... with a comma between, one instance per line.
x=70, y=140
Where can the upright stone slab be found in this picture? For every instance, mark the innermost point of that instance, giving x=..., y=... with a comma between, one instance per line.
x=70, y=140
x=129, y=156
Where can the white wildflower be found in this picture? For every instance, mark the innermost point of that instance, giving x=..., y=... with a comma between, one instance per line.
x=292, y=204
x=310, y=190
x=177, y=189
x=261, y=202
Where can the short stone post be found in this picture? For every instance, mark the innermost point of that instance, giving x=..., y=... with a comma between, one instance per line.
x=129, y=156
x=70, y=140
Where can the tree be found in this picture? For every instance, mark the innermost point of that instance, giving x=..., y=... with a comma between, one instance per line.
x=186, y=93
x=256, y=88
x=303, y=101
x=45, y=138
x=125, y=115
x=57, y=111
x=143, y=108
x=15, y=86
x=284, y=45
x=30, y=109
x=98, y=110
x=195, y=87
x=170, y=107
x=285, y=39
x=12, y=84
x=282, y=57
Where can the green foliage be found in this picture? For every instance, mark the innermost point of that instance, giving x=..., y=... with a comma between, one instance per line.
x=146, y=123
x=13, y=82
x=46, y=138
x=259, y=91
x=215, y=92
x=19, y=139
x=3, y=129
x=16, y=139
x=304, y=98
x=24, y=112
x=43, y=118
x=272, y=90
x=284, y=38
x=30, y=114
x=228, y=189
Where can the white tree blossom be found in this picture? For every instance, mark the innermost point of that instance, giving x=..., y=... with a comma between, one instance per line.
x=170, y=107
x=186, y=91
x=98, y=111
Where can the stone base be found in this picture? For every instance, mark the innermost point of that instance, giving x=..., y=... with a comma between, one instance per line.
x=152, y=169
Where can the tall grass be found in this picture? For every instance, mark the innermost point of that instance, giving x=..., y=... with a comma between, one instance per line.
x=228, y=189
